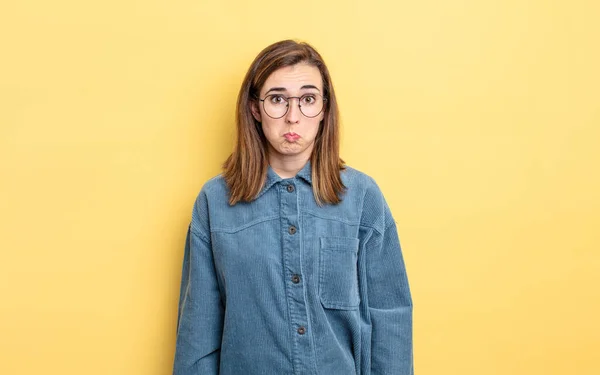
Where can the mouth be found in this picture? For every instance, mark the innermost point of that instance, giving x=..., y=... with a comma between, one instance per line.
x=291, y=137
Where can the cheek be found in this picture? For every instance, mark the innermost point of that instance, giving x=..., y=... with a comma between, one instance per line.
x=315, y=127
x=270, y=128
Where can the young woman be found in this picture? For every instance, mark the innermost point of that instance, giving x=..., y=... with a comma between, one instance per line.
x=292, y=261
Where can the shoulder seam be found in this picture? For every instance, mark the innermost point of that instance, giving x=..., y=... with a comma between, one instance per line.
x=372, y=227
x=200, y=235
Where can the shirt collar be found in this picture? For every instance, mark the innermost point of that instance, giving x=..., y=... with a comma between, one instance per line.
x=273, y=178
x=306, y=173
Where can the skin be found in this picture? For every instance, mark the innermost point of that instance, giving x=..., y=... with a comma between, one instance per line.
x=287, y=157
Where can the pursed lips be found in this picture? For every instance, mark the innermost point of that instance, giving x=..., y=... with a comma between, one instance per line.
x=291, y=137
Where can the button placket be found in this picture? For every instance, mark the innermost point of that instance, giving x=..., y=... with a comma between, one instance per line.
x=302, y=344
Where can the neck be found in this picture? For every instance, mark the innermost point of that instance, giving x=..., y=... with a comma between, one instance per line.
x=287, y=167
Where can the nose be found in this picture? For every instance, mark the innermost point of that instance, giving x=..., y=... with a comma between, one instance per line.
x=293, y=114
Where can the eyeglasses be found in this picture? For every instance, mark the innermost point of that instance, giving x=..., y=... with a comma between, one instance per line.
x=276, y=105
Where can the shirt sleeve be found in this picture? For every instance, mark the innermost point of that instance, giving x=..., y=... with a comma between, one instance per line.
x=389, y=303
x=200, y=319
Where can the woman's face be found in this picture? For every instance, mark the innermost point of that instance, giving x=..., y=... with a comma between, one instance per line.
x=292, y=136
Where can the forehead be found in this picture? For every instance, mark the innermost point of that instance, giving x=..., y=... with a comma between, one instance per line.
x=292, y=78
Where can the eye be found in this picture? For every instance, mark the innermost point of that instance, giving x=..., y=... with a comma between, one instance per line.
x=309, y=99
x=277, y=99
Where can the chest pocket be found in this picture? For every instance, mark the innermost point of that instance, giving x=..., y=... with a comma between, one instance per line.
x=338, y=279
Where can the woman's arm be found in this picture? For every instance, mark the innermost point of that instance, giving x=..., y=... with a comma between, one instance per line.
x=200, y=321
x=390, y=305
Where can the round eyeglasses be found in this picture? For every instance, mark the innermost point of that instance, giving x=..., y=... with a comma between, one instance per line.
x=276, y=105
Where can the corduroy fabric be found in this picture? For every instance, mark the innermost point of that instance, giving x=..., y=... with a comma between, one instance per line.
x=281, y=285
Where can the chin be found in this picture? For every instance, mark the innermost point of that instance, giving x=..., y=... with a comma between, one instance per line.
x=291, y=150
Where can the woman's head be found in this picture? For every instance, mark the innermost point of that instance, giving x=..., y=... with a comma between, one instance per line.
x=287, y=106
x=289, y=112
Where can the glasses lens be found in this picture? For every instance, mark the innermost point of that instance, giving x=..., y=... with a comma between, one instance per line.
x=275, y=105
x=311, y=104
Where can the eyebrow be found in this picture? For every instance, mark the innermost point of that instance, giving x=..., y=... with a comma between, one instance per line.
x=280, y=89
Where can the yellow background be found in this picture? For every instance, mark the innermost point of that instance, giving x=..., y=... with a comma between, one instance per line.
x=479, y=119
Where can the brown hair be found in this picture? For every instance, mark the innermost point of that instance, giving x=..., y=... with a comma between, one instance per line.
x=245, y=170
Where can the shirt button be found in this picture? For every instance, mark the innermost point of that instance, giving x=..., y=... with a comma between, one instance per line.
x=295, y=279
x=290, y=188
x=301, y=330
x=292, y=230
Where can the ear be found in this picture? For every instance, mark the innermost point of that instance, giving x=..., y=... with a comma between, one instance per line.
x=255, y=110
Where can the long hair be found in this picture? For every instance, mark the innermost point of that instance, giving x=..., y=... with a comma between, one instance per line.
x=245, y=170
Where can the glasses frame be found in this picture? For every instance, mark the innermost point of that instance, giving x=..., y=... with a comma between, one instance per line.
x=287, y=99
